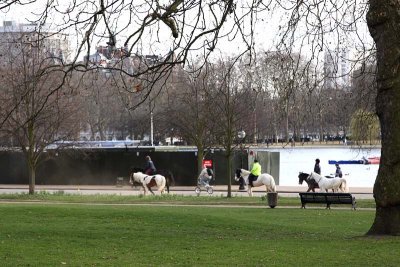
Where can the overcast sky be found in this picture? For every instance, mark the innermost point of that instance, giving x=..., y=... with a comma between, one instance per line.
x=266, y=33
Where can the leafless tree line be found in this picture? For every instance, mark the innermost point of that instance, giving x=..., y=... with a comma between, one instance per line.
x=292, y=98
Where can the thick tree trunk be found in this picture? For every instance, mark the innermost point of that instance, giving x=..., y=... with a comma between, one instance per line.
x=32, y=177
x=384, y=23
x=229, y=170
x=200, y=156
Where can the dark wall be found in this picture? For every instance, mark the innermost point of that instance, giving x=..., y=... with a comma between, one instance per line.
x=239, y=160
x=13, y=168
x=103, y=166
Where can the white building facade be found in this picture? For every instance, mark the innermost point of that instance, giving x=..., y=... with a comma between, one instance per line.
x=337, y=69
x=15, y=37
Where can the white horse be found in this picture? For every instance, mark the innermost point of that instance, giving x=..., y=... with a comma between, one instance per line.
x=264, y=179
x=148, y=181
x=324, y=183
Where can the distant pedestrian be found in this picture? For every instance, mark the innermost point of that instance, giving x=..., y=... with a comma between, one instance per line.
x=338, y=172
x=317, y=167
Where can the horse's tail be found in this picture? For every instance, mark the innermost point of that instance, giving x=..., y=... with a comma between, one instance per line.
x=171, y=178
x=164, y=182
x=167, y=183
x=273, y=185
x=161, y=182
x=270, y=183
x=344, y=186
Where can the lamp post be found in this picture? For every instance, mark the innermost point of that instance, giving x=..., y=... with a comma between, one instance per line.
x=151, y=129
x=151, y=123
x=241, y=135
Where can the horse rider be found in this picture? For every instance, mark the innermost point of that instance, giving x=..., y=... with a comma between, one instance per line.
x=338, y=172
x=255, y=172
x=317, y=167
x=149, y=167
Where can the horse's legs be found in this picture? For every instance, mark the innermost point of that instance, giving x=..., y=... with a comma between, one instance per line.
x=144, y=190
x=250, y=191
x=151, y=191
x=167, y=183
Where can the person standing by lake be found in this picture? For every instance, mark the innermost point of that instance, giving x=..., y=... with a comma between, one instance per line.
x=338, y=172
x=317, y=167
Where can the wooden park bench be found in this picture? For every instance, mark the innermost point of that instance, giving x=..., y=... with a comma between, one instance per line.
x=328, y=198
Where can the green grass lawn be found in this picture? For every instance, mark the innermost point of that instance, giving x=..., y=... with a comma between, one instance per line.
x=168, y=199
x=95, y=234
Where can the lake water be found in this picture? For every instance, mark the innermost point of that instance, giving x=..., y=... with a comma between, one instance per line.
x=295, y=160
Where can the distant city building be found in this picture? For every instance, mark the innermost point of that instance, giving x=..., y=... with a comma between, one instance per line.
x=336, y=69
x=111, y=57
x=15, y=37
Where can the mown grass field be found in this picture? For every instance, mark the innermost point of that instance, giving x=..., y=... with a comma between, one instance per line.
x=100, y=233
x=167, y=199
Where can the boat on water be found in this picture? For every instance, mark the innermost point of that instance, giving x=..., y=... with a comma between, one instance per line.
x=346, y=162
x=374, y=160
x=371, y=160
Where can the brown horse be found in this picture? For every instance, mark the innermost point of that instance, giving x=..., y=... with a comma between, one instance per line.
x=312, y=184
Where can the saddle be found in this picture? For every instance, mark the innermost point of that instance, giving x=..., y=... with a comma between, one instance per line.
x=252, y=179
x=152, y=177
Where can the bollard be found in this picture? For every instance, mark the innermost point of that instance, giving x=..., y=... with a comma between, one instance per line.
x=272, y=198
x=120, y=181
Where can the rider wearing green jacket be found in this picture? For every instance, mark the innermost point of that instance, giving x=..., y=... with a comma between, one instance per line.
x=255, y=172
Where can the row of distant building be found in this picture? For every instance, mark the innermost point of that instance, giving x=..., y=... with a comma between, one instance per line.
x=15, y=35
x=336, y=62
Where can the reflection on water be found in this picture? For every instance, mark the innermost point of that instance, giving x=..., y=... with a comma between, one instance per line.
x=295, y=160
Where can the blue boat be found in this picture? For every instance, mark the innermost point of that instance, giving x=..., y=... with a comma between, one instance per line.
x=360, y=161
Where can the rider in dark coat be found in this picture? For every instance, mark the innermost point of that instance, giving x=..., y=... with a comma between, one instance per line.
x=317, y=168
x=149, y=168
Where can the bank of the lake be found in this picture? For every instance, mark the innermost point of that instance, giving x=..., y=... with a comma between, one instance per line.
x=302, y=158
